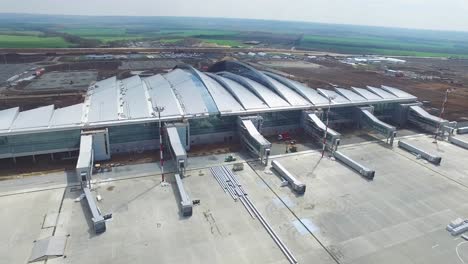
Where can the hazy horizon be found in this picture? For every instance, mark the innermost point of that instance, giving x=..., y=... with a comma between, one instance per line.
x=410, y=14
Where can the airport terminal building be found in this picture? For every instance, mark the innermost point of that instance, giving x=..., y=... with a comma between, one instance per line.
x=232, y=101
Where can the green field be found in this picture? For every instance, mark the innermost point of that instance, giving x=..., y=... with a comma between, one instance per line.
x=196, y=33
x=165, y=35
x=223, y=42
x=19, y=30
x=14, y=41
x=102, y=34
x=175, y=40
x=386, y=46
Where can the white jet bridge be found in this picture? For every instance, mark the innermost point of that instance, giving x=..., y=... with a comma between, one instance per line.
x=249, y=130
x=84, y=168
x=176, y=149
x=416, y=115
x=367, y=119
x=314, y=127
x=179, y=155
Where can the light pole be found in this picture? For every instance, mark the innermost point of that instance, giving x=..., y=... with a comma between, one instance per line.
x=442, y=110
x=330, y=98
x=159, y=109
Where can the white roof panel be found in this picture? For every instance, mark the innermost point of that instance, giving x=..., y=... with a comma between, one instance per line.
x=248, y=99
x=67, y=115
x=353, y=97
x=191, y=92
x=223, y=99
x=397, y=92
x=162, y=95
x=270, y=97
x=134, y=99
x=309, y=93
x=103, y=101
x=332, y=94
x=380, y=92
x=7, y=117
x=38, y=117
x=291, y=96
x=366, y=94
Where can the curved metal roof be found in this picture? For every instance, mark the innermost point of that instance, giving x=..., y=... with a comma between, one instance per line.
x=308, y=93
x=397, y=92
x=224, y=100
x=366, y=93
x=7, y=117
x=160, y=94
x=291, y=96
x=267, y=95
x=380, y=92
x=351, y=96
x=233, y=88
x=244, y=95
x=335, y=97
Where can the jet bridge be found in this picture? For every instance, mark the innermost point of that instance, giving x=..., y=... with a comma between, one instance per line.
x=416, y=115
x=251, y=138
x=85, y=163
x=367, y=119
x=176, y=149
x=84, y=169
x=99, y=221
x=179, y=155
x=435, y=159
x=314, y=127
x=185, y=202
x=296, y=185
x=462, y=130
x=361, y=169
x=458, y=141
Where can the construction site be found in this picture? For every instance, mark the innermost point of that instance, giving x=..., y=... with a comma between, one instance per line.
x=219, y=159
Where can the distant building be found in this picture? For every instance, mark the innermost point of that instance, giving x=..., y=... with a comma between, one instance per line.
x=252, y=42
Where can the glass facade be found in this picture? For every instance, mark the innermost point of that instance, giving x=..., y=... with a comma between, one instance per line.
x=277, y=119
x=133, y=133
x=213, y=124
x=40, y=142
x=384, y=109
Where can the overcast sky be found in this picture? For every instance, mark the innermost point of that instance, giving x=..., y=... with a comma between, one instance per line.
x=425, y=14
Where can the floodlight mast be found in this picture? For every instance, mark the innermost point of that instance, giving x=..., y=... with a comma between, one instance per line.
x=330, y=98
x=159, y=109
x=442, y=110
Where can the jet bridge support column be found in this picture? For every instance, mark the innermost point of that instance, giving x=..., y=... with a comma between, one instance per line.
x=367, y=119
x=249, y=130
x=315, y=128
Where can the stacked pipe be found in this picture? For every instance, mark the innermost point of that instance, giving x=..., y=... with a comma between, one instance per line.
x=230, y=184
